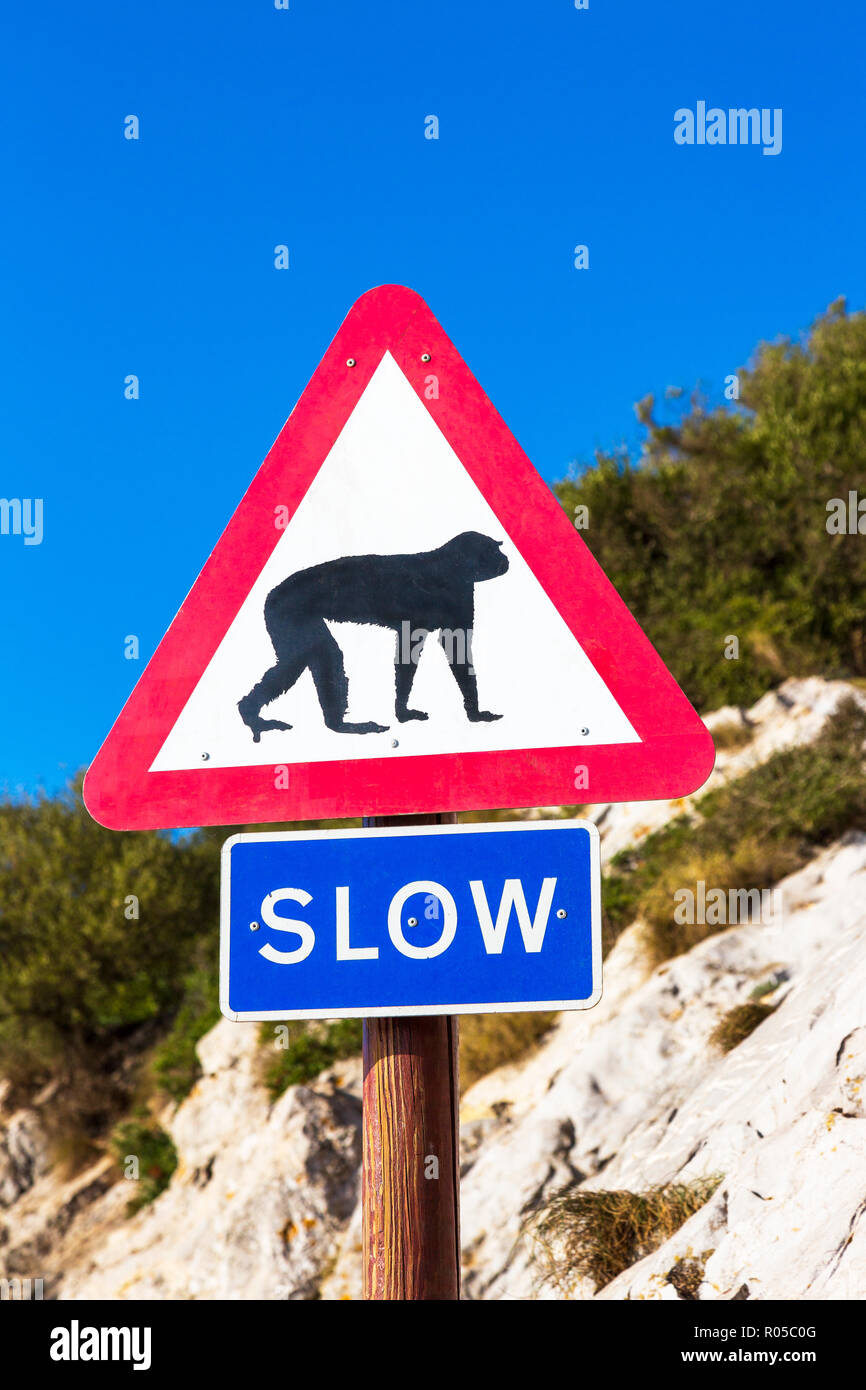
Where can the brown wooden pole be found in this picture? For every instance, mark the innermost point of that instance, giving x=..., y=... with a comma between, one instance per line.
x=411, y=1165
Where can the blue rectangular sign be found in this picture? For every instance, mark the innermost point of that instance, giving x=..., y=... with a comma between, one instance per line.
x=411, y=920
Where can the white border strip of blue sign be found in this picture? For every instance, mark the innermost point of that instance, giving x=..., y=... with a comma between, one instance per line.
x=552, y=1005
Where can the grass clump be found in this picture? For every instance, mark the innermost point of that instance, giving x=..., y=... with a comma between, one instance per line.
x=305, y=1050
x=687, y=1275
x=746, y=835
x=488, y=1041
x=737, y=1024
x=146, y=1155
x=599, y=1234
x=731, y=735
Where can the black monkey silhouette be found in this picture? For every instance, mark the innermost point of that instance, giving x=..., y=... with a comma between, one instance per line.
x=432, y=591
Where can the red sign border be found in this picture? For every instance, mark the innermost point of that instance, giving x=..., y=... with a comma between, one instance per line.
x=675, y=755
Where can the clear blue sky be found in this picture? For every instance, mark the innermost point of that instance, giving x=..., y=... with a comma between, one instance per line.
x=306, y=127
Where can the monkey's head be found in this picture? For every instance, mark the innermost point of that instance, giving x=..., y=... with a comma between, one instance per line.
x=476, y=555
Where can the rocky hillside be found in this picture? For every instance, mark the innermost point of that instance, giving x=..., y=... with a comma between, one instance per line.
x=637, y=1094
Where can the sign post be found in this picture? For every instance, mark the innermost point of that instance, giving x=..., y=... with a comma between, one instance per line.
x=407, y=924
x=400, y=622
x=410, y=1179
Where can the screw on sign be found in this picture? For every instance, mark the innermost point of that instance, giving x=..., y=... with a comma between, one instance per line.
x=426, y=634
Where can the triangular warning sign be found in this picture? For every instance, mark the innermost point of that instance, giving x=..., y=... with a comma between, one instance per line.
x=398, y=618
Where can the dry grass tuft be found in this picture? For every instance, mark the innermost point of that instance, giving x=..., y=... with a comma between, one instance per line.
x=732, y=734
x=599, y=1234
x=488, y=1041
x=737, y=1024
x=750, y=865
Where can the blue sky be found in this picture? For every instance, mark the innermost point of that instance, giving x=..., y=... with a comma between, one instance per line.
x=306, y=127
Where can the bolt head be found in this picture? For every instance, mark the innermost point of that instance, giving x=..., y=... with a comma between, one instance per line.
x=425, y=357
x=255, y=926
x=561, y=912
x=350, y=362
x=412, y=922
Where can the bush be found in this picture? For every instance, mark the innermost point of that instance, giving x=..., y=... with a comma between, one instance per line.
x=175, y=1066
x=84, y=984
x=312, y=1049
x=720, y=525
x=601, y=1233
x=156, y=1156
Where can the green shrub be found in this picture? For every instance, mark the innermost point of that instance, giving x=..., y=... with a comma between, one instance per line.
x=312, y=1048
x=155, y=1154
x=84, y=984
x=174, y=1065
x=720, y=525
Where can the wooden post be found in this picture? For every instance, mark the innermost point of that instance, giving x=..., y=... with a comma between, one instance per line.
x=411, y=1149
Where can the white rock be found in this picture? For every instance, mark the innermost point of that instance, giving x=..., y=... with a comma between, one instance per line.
x=259, y=1195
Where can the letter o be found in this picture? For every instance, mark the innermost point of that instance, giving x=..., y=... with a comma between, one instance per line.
x=449, y=926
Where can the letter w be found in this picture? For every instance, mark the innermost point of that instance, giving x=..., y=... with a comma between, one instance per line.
x=512, y=896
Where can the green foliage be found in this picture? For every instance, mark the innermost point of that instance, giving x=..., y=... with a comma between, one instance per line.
x=596, y=1235
x=737, y=1024
x=312, y=1049
x=768, y=986
x=156, y=1155
x=747, y=834
x=174, y=1064
x=82, y=984
x=720, y=526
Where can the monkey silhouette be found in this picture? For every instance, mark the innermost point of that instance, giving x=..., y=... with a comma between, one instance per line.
x=433, y=591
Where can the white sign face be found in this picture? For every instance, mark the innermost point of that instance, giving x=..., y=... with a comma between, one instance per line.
x=392, y=486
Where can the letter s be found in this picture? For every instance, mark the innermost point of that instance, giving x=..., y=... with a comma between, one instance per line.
x=303, y=929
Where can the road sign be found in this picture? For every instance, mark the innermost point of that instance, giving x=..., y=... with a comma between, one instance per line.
x=411, y=920
x=399, y=618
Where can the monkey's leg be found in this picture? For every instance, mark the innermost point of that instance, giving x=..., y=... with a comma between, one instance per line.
x=329, y=674
x=273, y=683
x=405, y=668
x=464, y=674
